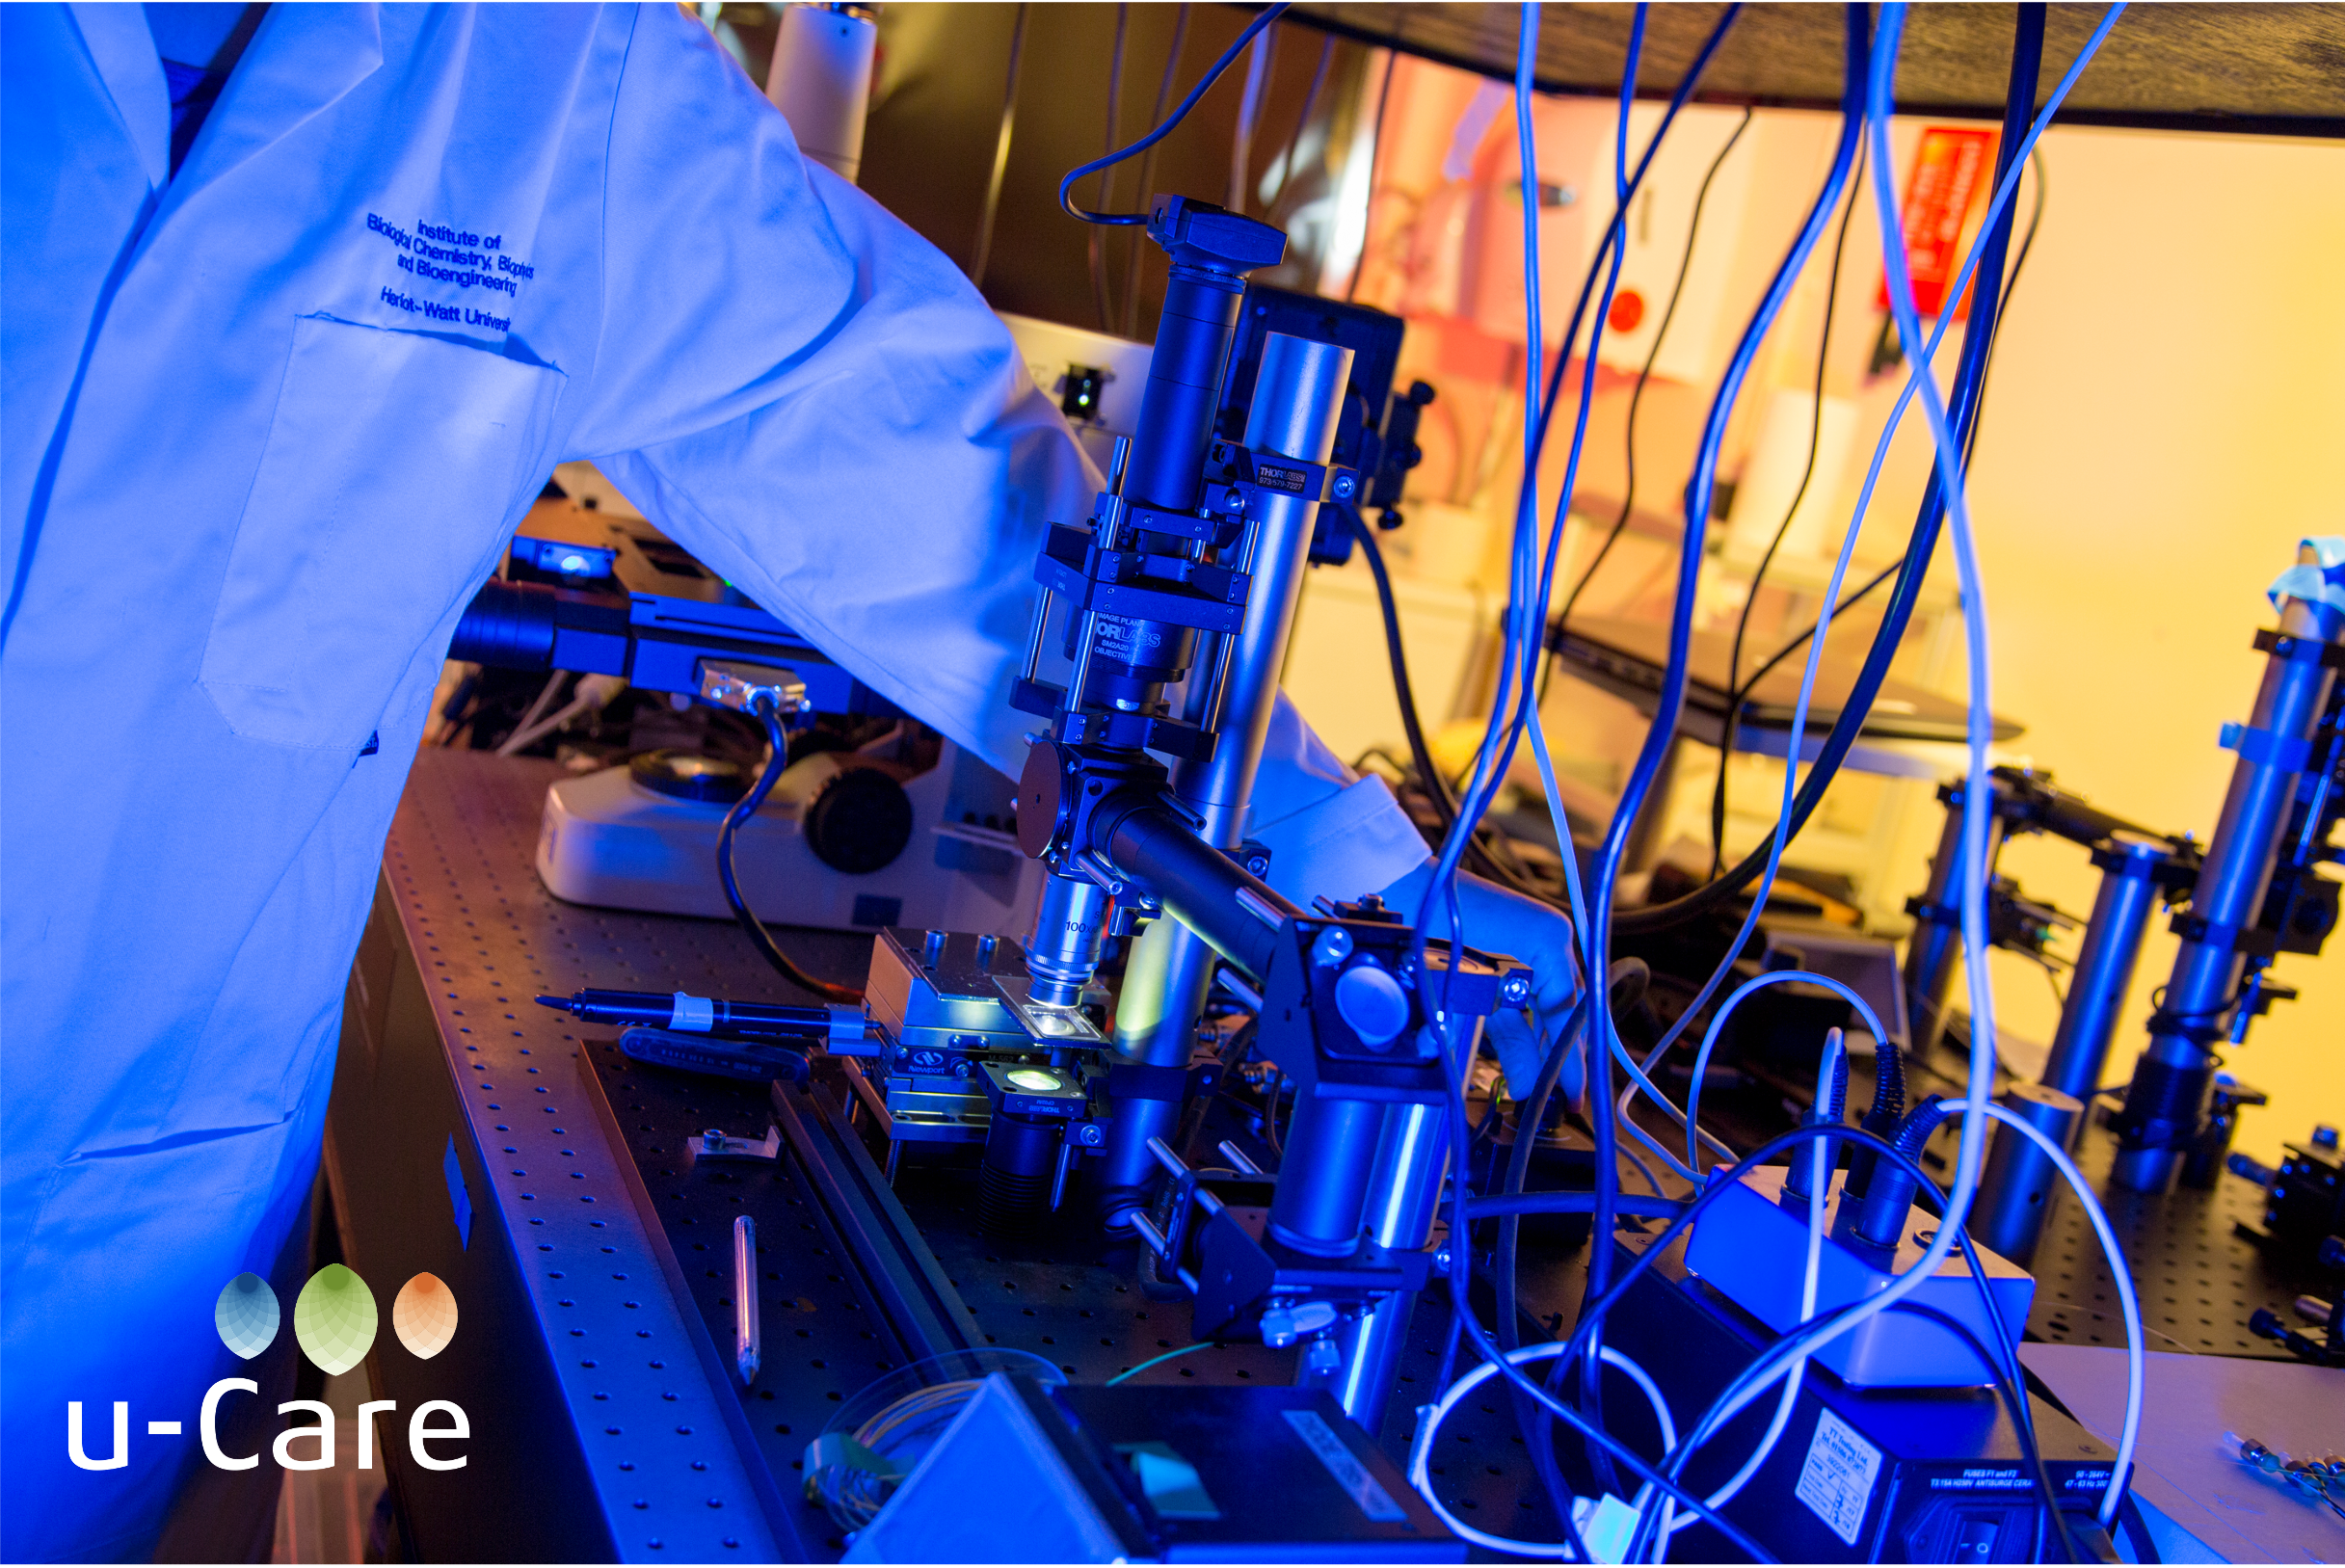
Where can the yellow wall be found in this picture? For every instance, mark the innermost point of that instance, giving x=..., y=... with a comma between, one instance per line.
x=2165, y=421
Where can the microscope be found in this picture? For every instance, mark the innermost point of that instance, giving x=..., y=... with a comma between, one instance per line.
x=1174, y=605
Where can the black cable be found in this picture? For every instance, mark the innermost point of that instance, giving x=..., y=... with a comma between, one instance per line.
x=1677, y=289
x=1462, y=1306
x=1530, y=1116
x=1804, y=638
x=1002, y=154
x=1743, y=695
x=1445, y=806
x=1738, y=695
x=2018, y=113
x=1066, y=186
x=1375, y=150
x=1436, y=787
x=1592, y=1313
x=1616, y=228
x=2004, y=1363
x=1515, y=1205
x=1615, y=233
x=2137, y=1530
x=1758, y=576
x=2003, y=312
x=742, y=810
x=1148, y=169
x=1230, y=1058
x=2013, y=1377
x=1274, y=1084
x=1106, y=178
x=2016, y=1400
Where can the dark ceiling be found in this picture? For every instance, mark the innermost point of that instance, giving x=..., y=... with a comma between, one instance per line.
x=2265, y=68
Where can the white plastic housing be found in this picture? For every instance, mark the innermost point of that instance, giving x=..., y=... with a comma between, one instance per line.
x=607, y=840
x=821, y=82
x=1753, y=1249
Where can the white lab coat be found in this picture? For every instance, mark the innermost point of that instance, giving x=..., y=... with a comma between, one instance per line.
x=267, y=424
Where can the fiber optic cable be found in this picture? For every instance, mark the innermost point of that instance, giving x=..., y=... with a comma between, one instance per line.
x=1976, y=1105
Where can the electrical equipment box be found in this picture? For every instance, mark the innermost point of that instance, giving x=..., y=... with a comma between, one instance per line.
x=1154, y=1474
x=1096, y=379
x=1881, y=1475
x=1750, y=1247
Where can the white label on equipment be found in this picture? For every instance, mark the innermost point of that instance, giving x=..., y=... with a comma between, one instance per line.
x=1837, y=1481
x=1345, y=1466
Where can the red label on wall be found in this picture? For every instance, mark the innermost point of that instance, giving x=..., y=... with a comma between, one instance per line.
x=1951, y=168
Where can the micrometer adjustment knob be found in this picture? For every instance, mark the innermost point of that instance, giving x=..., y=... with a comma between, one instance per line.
x=1371, y=1000
x=1331, y=946
x=1284, y=1324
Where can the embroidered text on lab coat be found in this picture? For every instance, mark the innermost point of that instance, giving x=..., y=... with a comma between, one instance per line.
x=446, y=254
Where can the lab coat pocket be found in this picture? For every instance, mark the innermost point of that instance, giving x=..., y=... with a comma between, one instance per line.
x=393, y=463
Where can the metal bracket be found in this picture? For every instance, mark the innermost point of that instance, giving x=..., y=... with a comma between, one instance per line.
x=2287, y=753
x=2305, y=650
x=1167, y=1244
x=1246, y=471
x=2252, y=942
x=738, y=685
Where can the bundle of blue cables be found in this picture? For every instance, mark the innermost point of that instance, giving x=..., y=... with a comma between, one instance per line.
x=1867, y=104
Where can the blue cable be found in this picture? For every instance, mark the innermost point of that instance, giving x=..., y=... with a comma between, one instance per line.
x=1772, y=977
x=1512, y=655
x=1610, y=253
x=1519, y=647
x=1521, y=629
x=1205, y=83
x=1604, y=1033
x=1461, y=826
x=1963, y=1187
x=2003, y=196
x=1515, y=703
x=1616, y=226
x=1828, y=200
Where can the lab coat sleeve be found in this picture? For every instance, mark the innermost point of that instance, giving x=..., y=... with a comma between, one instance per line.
x=815, y=401
x=1329, y=831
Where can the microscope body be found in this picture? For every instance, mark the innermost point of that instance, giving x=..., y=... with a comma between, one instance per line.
x=1179, y=601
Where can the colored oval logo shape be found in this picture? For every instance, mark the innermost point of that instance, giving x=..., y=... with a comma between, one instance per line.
x=334, y=1318
x=424, y=1315
x=247, y=1315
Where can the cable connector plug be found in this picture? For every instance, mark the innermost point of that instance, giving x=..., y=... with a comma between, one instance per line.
x=1606, y=1524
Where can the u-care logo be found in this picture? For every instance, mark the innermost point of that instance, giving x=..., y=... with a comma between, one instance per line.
x=333, y=1322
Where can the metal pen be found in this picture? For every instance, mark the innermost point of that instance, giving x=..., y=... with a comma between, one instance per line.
x=746, y=1349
